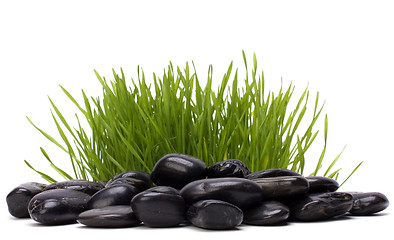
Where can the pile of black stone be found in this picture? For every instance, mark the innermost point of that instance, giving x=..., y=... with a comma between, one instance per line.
x=182, y=190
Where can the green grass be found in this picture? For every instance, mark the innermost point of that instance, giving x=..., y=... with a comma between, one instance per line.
x=134, y=126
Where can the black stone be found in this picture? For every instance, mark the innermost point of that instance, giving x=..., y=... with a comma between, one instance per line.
x=57, y=206
x=282, y=187
x=320, y=184
x=266, y=213
x=177, y=170
x=159, y=206
x=109, y=217
x=368, y=203
x=273, y=172
x=238, y=191
x=18, y=199
x=321, y=206
x=138, y=183
x=133, y=174
x=77, y=185
x=214, y=214
x=228, y=168
x=120, y=194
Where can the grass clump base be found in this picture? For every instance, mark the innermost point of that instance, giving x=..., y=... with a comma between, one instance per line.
x=133, y=126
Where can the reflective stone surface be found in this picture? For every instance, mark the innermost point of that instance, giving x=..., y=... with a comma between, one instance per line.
x=228, y=168
x=132, y=174
x=282, y=187
x=119, y=194
x=368, y=203
x=77, y=185
x=266, y=213
x=273, y=172
x=320, y=184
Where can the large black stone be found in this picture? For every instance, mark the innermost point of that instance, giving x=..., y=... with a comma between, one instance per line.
x=119, y=194
x=238, y=191
x=177, y=170
x=368, y=203
x=273, y=172
x=282, y=187
x=57, y=206
x=228, y=168
x=214, y=214
x=109, y=217
x=266, y=213
x=18, y=199
x=145, y=177
x=77, y=185
x=320, y=184
x=159, y=206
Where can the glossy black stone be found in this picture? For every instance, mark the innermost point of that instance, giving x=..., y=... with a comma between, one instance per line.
x=144, y=176
x=18, y=199
x=238, y=191
x=159, y=206
x=77, y=185
x=109, y=217
x=266, y=213
x=57, y=206
x=273, y=172
x=320, y=206
x=228, y=168
x=177, y=170
x=368, y=203
x=320, y=184
x=214, y=214
x=138, y=183
x=120, y=194
x=282, y=187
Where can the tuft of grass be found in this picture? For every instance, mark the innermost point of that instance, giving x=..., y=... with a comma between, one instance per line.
x=134, y=126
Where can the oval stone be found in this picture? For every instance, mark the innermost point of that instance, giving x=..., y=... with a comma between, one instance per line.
x=238, y=191
x=266, y=213
x=177, y=170
x=321, y=206
x=368, y=203
x=159, y=206
x=109, y=217
x=77, y=185
x=144, y=176
x=57, y=206
x=18, y=199
x=214, y=214
x=273, y=172
x=120, y=194
x=320, y=184
x=228, y=168
x=282, y=187
x=138, y=183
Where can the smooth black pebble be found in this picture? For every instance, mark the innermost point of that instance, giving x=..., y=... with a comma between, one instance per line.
x=228, y=168
x=159, y=206
x=18, y=199
x=368, y=203
x=77, y=185
x=273, y=172
x=109, y=217
x=321, y=184
x=143, y=176
x=57, y=206
x=238, y=191
x=214, y=214
x=138, y=183
x=266, y=213
x=282, y=187
x=321, y=206
x=177, y=170
x=119, y=194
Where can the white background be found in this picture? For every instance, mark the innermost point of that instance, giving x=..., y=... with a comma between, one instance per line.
x=343, y=49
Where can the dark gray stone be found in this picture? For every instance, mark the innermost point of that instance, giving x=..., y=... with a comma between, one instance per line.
x=77, y=185
x=368, y=203
x=273, y=172
x=320, y=184
x=228, y=168
x=120, y=194
x=282, y=187
x=266, y=213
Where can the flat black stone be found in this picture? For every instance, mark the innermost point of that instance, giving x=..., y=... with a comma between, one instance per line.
x=159, y=206
x=273, y=172
x=109, y=217
x=282, y=187
x=18, y=199
x=321, y=184
x=144, y=176
x=266, y=213
x=138, y=183
x=320, y=206
x=177, y=170
x=228, y=168
x=214, y=214
x=57, y=206
x=77, y=185
x=238, y=191
x=119, y=194
x=368, y=203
